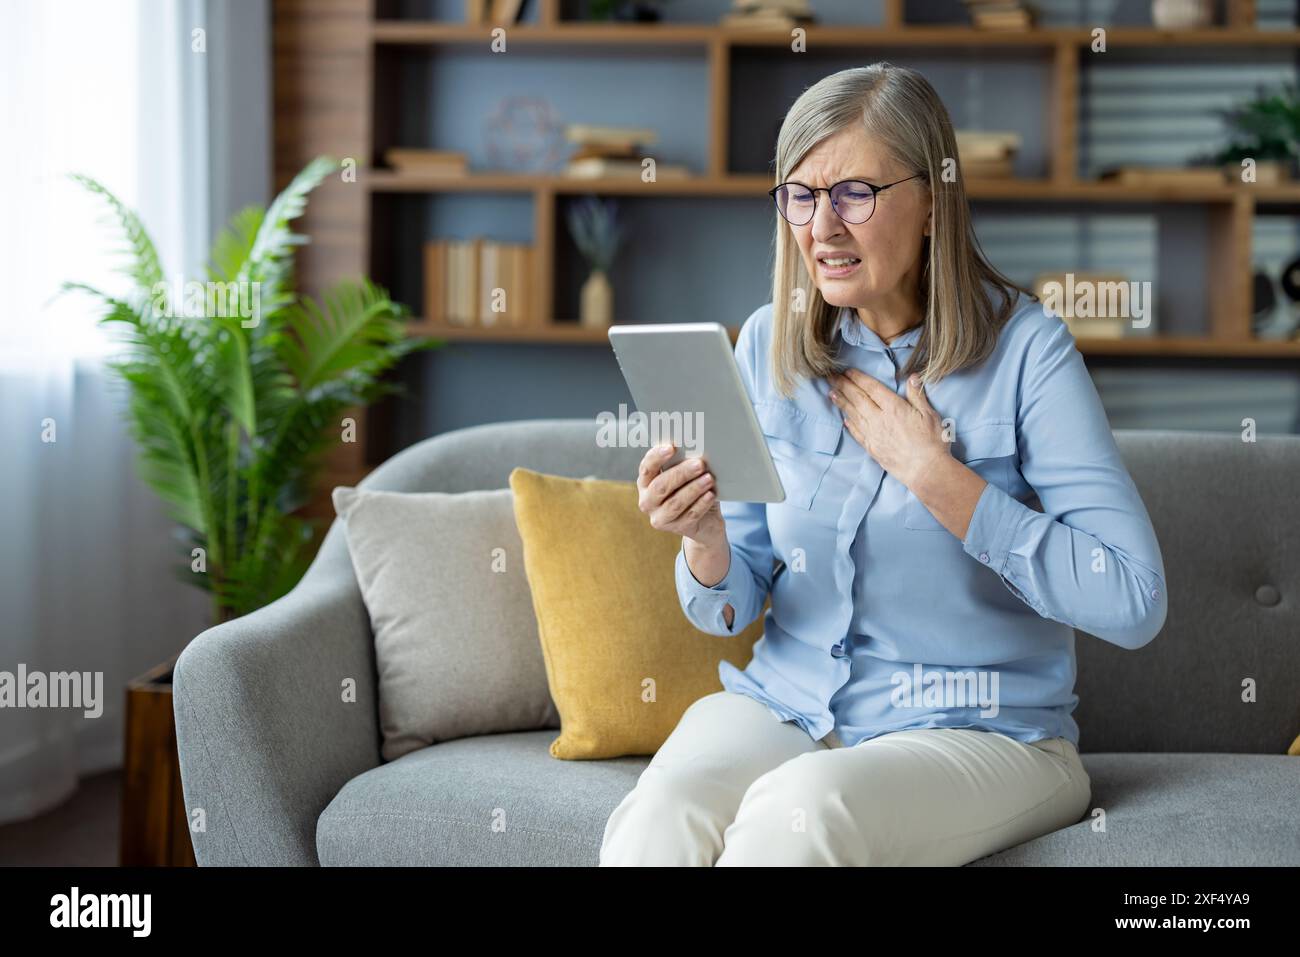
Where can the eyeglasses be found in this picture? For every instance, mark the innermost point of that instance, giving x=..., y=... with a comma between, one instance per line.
x=854, y=200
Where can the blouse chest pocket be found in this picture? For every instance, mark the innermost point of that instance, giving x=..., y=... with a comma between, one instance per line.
x=802, y=448
x=989, y=450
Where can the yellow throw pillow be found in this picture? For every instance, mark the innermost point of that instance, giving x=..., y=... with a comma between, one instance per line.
x=622, y=660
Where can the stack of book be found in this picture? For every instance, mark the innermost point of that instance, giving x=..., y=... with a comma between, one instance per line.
x=987, y=155
x=1193, y=177
x=1000, y=14
x=1080, y=308
x=493, y=11
x=427, y=162
x=478, y=282
x=613, y=151
x=768, y=14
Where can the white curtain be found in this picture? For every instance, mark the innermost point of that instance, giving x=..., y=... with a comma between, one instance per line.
x=115, y=90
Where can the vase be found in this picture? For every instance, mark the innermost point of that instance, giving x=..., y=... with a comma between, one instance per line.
x=596, y=308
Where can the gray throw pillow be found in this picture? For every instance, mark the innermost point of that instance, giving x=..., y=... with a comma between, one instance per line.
x=456, y=639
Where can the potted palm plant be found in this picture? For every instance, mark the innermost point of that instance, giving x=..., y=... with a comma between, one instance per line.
x=1265, y=130
x=236, y=387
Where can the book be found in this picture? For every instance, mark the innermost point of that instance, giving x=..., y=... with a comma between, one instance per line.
x=520, y=278
x=599, y=167
x=427, y=162
x=1104, y=327
x=764, y=21
x=616, y=136
x=527, y=314
x=988, y=168
x=983, y=144
x=794, y=8
x=607, y=151
x=1195, y=176
x=435, y=281
x=472, y=253
x=489, y=280
x=1087, y=326
x=462, y=277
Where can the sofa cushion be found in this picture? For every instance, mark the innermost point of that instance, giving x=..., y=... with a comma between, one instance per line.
x=1178, y=810
x=622, y=659
x=497, y=799
x=447, y=666
x=438, y=806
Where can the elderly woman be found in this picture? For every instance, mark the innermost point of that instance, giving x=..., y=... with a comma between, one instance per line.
x=955, y=508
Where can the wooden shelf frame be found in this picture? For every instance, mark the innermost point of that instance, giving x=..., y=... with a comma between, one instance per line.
x=354, y=29
x=570, y=333
x=755, y=185
x=1231, y=207
x=425, y=33
x=330, y=58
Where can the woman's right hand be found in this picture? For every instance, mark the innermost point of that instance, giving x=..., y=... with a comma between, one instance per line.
x=681, y=499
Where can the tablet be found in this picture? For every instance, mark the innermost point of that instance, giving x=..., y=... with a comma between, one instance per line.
x=687, y=388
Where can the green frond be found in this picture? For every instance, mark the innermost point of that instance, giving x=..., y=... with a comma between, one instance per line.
x=357, y=329
x=269, y=258
x=144, y=266
x=268, y=567
x=230, y=422
x=233, y=247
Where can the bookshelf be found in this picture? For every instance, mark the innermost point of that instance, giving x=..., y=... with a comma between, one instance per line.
x=335, y=80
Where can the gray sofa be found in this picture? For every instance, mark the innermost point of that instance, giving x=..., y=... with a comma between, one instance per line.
x=1185, y=771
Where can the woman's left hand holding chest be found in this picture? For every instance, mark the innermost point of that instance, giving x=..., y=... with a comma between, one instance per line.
x=907, y=439
x=904, y=435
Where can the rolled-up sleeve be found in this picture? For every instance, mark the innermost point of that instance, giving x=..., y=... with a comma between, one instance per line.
x=749, y=577
x=1090, y=559
x=703, y=606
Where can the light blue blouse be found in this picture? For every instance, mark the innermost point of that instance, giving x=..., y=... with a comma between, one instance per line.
x=881, y=619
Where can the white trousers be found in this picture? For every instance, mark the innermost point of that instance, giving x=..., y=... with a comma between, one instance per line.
x=734, y=784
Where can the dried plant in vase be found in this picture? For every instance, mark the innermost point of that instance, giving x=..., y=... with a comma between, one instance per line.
x=594, y=226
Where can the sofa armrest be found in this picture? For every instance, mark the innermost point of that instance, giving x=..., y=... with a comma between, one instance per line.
x=266, y=729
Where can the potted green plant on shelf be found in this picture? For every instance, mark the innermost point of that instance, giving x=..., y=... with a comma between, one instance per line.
x=594, y=226
x=236, y=386
x=1265, y=130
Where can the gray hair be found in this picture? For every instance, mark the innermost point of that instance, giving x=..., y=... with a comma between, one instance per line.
x=898, y=107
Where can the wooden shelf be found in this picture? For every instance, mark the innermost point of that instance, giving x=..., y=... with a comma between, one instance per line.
x=573, y=334
x=558, y=332
x=827, y=36
x=1231, y=207
x=1191, y=346
x=338, y=83
x=390, y=181
x=757, y=185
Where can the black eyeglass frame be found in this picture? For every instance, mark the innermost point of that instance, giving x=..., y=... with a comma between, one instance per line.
x=875, y=191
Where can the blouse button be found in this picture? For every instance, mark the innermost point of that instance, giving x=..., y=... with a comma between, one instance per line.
x=1267, y=595
x=984, y=557
x=1155, y=593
